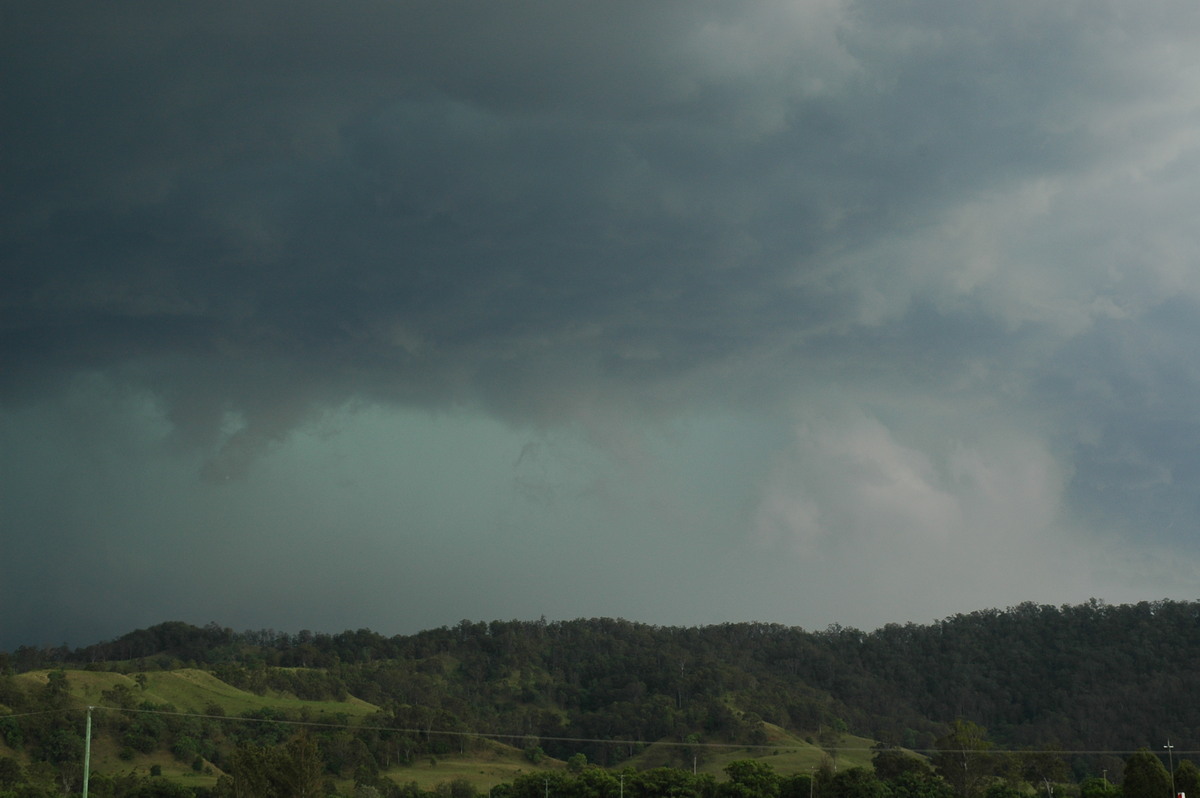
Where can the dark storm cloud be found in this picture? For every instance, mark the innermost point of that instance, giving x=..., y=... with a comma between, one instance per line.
x=965, y=220
x=405, y=192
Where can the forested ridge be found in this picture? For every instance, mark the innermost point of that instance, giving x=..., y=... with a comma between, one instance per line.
x=1094, y=681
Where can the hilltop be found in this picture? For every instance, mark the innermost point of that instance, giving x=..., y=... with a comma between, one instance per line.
x=1094, y=681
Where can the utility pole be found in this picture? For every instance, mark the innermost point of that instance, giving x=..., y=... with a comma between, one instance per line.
x=1170, y=759
x=87, y=752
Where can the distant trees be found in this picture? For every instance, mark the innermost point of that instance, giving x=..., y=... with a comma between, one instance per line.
x=1145, y=776
x=751, y=778
x=1187, y=779
x=891, y=763
x=1088, y=677
x=748, y=778
x=1043, y=768
x=919, y=784
x=10, y=773
x=856, y=783
x=1099, y=787
x=293, y=770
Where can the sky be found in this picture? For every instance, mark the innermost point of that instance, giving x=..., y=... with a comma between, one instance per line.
x=392, y=313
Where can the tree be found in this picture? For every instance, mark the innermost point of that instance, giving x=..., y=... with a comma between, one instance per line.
x=540, y=783
x=595, y=782
x=291, y=770
x=64, y=749
x=830, y=737
x=1145, y=776
x=251, y=772
x=458, y=787
x=1187, y=778
x=669, y=783
x=797, y=785
x=920, y=784
x=750, y=779
x=56, y=693
x=10, y=772
x=1098, y=788
x=298, y=770
x=11, y=733
x=855, y=783
x=1041, y=768
x=963, y=759
x=890, y=763
x=1004, y=789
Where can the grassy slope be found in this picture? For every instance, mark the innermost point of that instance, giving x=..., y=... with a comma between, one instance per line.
x=195, y=691
x=493, y=763
x=785, y=752
x=191, y=690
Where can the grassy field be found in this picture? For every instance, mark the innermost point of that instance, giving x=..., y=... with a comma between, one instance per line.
x=491, y=765
x=106, y=760
x=784, y=752
x=191, y=690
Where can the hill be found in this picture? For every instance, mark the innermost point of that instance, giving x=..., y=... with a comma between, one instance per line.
x=1094, y=681
x=194, y=691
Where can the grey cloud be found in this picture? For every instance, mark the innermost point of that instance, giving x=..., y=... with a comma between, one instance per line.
x=394, y=197
x=553, y=213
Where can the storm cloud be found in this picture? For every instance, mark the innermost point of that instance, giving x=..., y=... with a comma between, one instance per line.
x=392, y=313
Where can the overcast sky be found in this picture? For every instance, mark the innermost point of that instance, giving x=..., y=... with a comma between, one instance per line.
x=389, y=314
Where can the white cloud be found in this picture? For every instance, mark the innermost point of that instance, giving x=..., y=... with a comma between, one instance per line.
x=850, y=484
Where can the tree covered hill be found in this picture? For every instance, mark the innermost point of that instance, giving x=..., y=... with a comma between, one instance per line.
x=1092, y=677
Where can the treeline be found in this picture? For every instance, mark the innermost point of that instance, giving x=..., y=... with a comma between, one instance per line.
x=963, y=766
x=1086, y=677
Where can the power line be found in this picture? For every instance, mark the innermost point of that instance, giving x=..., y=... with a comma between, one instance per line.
x=39, y=712
x=499, y=736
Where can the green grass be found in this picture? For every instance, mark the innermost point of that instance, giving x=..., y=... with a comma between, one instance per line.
x=105, y=759
x=492, y=764
x=192, y=690
x=784, y=752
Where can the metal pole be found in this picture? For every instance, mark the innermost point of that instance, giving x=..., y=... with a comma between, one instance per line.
x=1170, y=758
x=87, y=752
